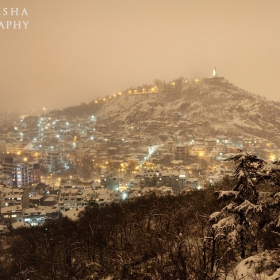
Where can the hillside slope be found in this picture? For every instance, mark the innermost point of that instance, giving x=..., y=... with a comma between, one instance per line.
x=213, y=106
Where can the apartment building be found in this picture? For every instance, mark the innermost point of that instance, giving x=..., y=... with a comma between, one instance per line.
x=22, y=172
x=158, y=177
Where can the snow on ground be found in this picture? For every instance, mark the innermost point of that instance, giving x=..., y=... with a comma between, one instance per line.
x=224, y=107
x=263, y=266
x=73, y=213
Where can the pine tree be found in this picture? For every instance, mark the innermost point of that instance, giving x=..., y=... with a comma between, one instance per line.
x=237, y=223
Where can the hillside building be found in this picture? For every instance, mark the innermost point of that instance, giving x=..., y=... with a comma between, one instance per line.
x=158, y=177
x=21, y=171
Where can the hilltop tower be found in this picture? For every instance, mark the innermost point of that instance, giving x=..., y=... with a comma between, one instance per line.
x=214, y=72
x=214, y=80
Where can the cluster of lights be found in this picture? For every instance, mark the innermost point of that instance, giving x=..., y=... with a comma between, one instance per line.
x=144, y=90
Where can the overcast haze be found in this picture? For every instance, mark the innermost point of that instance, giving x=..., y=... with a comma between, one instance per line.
x=74, y=51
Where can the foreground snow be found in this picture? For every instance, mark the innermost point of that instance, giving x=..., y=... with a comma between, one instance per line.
x=263, y=266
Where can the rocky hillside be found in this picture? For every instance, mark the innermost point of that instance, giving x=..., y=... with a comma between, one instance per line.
x=210, y=106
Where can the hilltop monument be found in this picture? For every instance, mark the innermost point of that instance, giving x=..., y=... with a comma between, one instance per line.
x=214, y=79
x=214, y=72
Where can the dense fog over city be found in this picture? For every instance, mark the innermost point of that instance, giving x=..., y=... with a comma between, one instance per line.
x=139, y=140
x=68, y=52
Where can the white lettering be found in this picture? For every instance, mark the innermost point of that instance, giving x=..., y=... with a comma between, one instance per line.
x=14, y=11
x=9, y=23
x=25, y=24
x=15, y=25
x=24, y=12
x=5, y=11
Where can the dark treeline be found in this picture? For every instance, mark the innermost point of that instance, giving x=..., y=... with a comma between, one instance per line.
x=84, y=109
x=201, y=235
x=134, y=240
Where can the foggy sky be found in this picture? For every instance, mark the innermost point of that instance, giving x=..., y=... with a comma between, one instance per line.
x=74, y=51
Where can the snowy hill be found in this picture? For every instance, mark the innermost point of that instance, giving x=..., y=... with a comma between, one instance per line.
x=210, y=106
